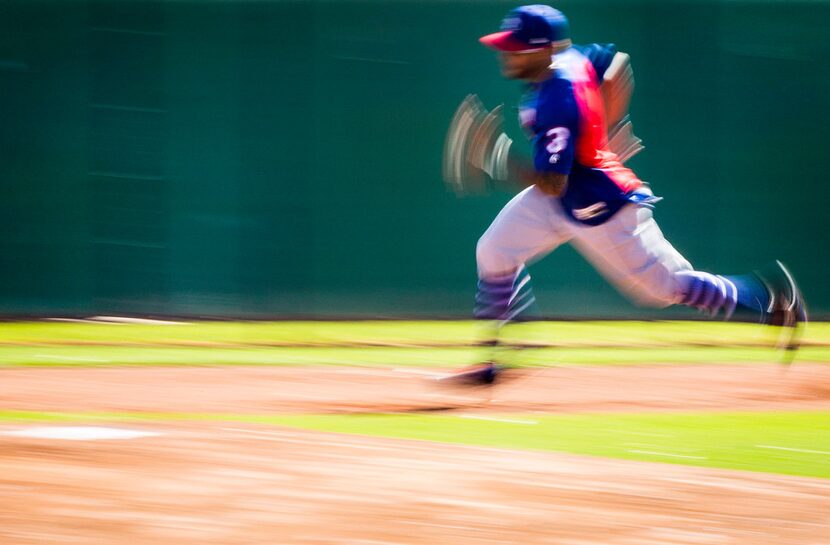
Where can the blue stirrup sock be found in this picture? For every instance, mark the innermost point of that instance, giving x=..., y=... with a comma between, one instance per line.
x=752, y=294
x=714, y=293
x=504, y=298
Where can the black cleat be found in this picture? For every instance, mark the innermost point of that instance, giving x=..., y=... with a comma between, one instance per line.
x=482, y=374
x=786, y=308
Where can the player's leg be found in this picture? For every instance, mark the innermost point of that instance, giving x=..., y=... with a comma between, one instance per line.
x=632, y=253
x=530, y=226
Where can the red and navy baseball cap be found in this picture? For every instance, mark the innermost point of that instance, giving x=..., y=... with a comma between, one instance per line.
x=528, y=28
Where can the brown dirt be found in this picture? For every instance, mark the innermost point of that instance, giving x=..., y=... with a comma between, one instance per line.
x=223, y=483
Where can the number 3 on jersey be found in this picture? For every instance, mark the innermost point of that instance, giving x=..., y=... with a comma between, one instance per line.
x=558, y=142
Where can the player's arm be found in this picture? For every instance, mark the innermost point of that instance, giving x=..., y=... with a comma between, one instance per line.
x=616, y=88
x=523, y=173
x=553, y=157
x=615, y=79
x=548, y=170
x=475, y=144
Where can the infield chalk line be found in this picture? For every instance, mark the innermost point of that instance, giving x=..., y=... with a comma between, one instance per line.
x=418, y=372
x=667, y=454
x=79, y=433
x=129, y=320
x=495, y=419
x=808, y=451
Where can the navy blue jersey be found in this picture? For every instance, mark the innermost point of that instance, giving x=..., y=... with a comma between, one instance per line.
x=565, y=119
x=600, y=56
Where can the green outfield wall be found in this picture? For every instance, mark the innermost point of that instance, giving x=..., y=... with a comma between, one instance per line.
x=283, y=158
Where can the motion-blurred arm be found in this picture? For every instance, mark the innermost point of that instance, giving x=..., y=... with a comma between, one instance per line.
x=617, y=88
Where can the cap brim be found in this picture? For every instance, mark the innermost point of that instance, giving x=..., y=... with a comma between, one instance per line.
x=504, y=41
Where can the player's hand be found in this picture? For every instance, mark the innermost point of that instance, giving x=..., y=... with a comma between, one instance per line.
x=623, y=142
x=617, y=88
x=489, y=145
x=475, y=149
x=458, y=173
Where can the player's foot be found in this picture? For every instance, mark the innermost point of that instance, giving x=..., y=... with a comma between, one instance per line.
x=786, y=308
x=482, y=374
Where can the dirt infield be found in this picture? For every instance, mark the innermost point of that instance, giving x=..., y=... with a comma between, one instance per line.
x=223, y=483
x=242, y=390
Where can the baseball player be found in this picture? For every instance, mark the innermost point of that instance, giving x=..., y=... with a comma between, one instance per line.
x=577, y=190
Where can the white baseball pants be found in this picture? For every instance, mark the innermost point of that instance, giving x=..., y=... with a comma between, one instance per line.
x=629, y=250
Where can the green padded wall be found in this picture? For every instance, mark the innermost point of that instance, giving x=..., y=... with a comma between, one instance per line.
x=283, y=158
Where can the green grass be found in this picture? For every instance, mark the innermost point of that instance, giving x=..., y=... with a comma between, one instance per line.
x=792, y=443
x=244, y=333
x=419, y=333
x=391, y=343
x=736, y=441
x=733, y=440
x=97, y=356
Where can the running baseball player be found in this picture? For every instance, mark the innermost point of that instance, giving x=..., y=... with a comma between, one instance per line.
x=577, y=190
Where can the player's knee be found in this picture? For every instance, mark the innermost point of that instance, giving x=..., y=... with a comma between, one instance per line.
x=662, y=287
x=660, y=296
x=670, y=290
x=486, y=253
x=647, y=294
x=491, y=259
